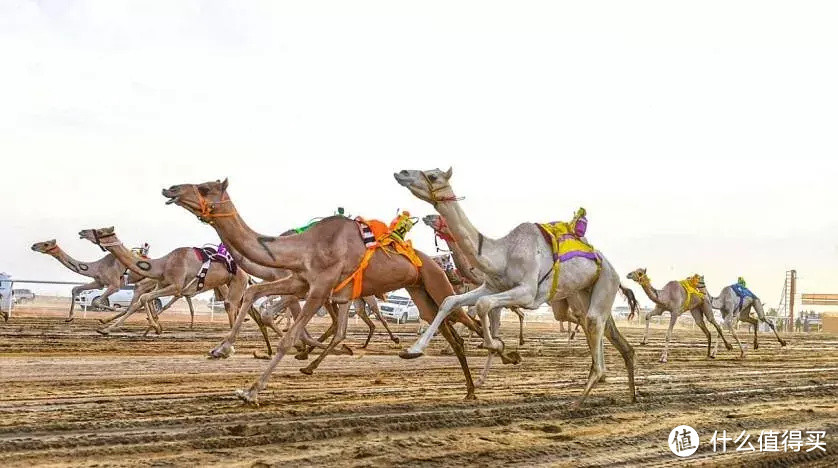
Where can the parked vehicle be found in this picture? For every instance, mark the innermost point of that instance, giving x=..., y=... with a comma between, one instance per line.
x=19, y=296
x=117, y=300
x=398, y=308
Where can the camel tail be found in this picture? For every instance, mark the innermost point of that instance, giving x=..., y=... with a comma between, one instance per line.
x=634, y=307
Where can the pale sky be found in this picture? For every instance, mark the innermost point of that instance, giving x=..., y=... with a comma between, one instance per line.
x=700, y=136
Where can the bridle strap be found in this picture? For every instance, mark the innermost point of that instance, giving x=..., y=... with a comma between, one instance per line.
x=207, y=208
x=100, y=238
x=435, y=200
x=54, y=247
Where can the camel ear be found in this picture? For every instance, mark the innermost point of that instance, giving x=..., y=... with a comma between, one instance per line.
x=644, y=270
x=224, y=185
x=449, y=173
x=52, y=241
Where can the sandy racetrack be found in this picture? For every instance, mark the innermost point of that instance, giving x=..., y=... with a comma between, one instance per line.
x=70, y=396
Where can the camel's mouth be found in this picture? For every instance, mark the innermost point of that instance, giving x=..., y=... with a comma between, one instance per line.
x=172, y=200
x=402, y=179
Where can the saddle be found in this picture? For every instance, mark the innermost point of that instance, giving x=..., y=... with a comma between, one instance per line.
x=567, y=242
x=377, y=235
x=742, y=293
x=208, y=254
x=690, y=286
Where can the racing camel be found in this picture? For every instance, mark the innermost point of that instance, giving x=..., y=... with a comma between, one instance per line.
x=177, y=275
x=735, y=302
x=107, y=272
x=678, y=297
x=523, y=270
x=318, y=260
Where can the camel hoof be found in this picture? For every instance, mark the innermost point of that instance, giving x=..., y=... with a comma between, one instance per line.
x=711, y=356
x=257, y=355
x=347, y=351
x=103, y=332
x=69, y=320
x=783, y=343
x=663, y=360
x=729, y=346
x=301, y=356
x=307, y=371
x=511, y=357
x=756, y=346
x=521, y=342
x=470, y=396
x=246, y=397
x=396, y=339
x=405, y=354
x=103, y=321
x=221, y=352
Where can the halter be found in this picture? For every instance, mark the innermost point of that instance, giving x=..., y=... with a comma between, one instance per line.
x=54, y=247
x=432, y=192
x=643, y=279
x=207, y=208
x=99, y=240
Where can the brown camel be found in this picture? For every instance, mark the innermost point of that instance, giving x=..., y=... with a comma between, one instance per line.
x=176, y=275
x=317, y=260
x=107, y=272
x=292, y=302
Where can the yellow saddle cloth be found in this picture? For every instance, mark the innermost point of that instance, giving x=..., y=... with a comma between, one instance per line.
x=377, y=235
x=565, y=245
x=690, y=285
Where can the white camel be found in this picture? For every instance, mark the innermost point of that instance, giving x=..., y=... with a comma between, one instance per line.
x=736, y=307
x=519, y=270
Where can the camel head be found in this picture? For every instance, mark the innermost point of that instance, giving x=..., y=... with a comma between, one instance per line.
x=202, y=200
x=47, y=247
x=433, y=186
x=98, y=235
x=440, y=227
x=638, y=275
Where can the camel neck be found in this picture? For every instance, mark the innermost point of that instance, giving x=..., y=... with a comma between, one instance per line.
x=466, y=270
x=145, y=267
x=651, y=292
x=267, y=251
x=471, y=242
x=81, y=268
x=251, y=267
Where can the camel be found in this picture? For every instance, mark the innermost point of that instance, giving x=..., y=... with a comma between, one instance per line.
x=318, y=260
x=735, y=308
x=517, y=269
x=176, y=276
x=675, y=298
x=292, y=303
x=107, y=272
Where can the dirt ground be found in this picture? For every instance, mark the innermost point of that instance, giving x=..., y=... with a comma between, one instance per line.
x=72, y=397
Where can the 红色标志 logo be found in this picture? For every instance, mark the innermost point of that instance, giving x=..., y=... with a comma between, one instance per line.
x=683, y=441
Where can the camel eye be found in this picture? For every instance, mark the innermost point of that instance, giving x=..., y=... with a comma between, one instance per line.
x=203, y=191
x=432, y=178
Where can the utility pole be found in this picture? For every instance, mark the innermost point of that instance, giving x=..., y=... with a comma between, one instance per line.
x=792, y=292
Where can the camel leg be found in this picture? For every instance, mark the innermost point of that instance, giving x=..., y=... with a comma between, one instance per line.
x=317, y=296
x=485, y=373
x=731, y=322
x=707, y=310
x=148, y=298
x=104, y=297
x=361, y=311
x=76, y=291
x=755, y=325
x=626, y=351
x=373, y=305
x=763, y=318
x=520, y=325
x=191, y=312
x=342, y=318
x=286, y=285
x=594, y=331
x=162, y=309
x=699, y=320
x=141, y=288
x=673, y=317
x=521, y=294
x=318, y=343
x=254, y=314
x=448, y=305
x=658, y=310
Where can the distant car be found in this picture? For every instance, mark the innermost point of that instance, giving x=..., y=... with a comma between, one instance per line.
x=117, y=300
x=19, y=296
x=399, y=308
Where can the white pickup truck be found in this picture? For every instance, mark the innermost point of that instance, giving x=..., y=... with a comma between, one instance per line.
x=117, y=300
x=399, y=308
